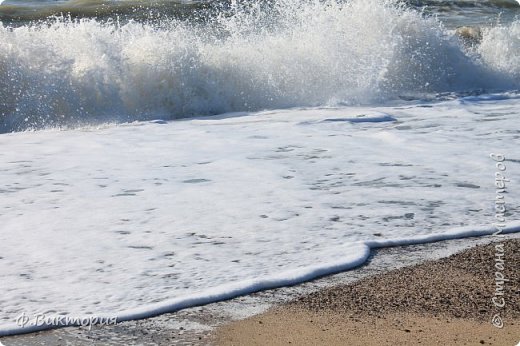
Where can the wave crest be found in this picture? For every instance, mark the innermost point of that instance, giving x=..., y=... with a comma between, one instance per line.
x=255, y=55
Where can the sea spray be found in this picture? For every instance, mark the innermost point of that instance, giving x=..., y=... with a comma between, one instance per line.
x=251, y=56
x=500, y=48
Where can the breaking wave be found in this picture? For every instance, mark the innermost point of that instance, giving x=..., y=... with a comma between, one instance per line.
x=250, y=56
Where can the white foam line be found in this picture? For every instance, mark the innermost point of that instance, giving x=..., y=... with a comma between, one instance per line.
x=454, y=233
x=293, y=277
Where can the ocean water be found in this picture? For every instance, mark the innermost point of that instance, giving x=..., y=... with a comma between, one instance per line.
x=157, y=155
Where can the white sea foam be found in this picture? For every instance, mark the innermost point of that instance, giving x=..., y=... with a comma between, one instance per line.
x=144, y=218
x=296, y=53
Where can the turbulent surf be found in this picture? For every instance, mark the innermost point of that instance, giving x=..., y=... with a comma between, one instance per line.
x=244, y=57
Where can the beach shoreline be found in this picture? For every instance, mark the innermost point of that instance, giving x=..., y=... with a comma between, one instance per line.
x=238, y=172
x=452, y=300
x=199, y=325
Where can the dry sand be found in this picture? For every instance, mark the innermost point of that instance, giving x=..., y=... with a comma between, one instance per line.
x=443, y=302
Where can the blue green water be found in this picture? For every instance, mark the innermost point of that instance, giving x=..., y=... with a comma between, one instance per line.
x=452, y=13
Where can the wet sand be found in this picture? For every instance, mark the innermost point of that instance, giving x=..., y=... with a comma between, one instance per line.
x=293, y=308
x=442, y=302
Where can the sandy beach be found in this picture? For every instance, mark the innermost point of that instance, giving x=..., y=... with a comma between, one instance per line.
x=442, y=302
x=402, y=295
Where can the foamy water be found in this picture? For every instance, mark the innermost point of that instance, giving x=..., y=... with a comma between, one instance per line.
x=134, y=220
x=341, y=127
